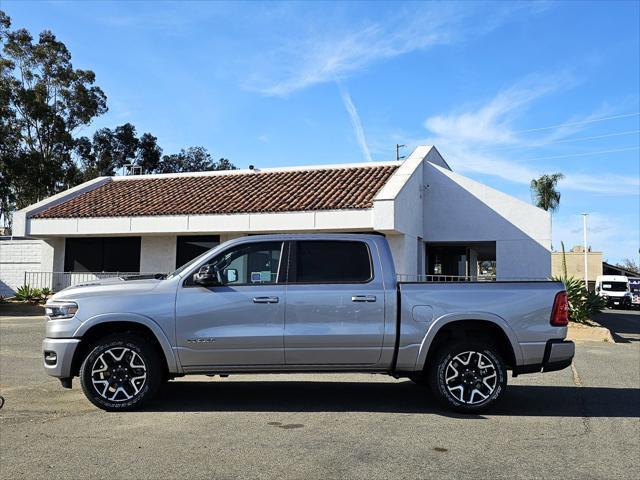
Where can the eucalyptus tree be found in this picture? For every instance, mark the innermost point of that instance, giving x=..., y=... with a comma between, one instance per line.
x=44, y=101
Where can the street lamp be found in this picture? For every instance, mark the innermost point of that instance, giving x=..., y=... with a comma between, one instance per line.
x=584, y=234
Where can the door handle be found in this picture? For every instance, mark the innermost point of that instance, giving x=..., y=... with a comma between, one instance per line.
x=363, y=298
x=266, y=299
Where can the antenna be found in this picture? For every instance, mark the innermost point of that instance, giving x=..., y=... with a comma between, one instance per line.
x=398, y=156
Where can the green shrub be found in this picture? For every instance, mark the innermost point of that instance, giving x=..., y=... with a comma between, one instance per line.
x=27, y=294
x=582, y=303
x=46, y=292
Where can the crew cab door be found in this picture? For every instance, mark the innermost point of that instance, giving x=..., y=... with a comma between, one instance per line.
x=335, y=304
x=240, y=322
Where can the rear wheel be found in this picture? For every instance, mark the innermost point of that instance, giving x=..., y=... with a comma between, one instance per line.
x=468, y=376
x=121, y=372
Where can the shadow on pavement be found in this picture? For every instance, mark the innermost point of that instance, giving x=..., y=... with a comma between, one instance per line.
x=624, y=326
x=402, y=397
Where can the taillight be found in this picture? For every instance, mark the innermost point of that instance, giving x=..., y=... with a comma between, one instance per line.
x=560, y=312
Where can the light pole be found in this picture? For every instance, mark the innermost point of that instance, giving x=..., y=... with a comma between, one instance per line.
x=584, y=234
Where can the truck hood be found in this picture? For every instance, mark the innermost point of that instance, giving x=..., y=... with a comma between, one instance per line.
x=108, y=286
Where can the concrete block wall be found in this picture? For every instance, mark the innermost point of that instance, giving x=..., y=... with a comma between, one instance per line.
x=16, y=258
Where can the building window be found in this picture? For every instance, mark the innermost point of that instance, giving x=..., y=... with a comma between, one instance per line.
x=106, y=254
x=331, y=262
x=191, y=246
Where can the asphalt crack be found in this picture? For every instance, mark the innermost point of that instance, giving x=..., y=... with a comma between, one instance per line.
x=577, y=381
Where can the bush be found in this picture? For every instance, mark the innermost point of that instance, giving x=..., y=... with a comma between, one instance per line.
x=27, y=294
x=582, y=303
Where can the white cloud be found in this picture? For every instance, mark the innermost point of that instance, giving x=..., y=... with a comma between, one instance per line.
x=477, y=140
x=490, y=124
x=325, y=53
x=355, y=123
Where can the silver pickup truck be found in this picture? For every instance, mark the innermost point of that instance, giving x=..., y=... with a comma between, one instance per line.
x=303, y=303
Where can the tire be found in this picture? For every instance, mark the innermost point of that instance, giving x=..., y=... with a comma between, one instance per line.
x=122, y=372
x=470, y=387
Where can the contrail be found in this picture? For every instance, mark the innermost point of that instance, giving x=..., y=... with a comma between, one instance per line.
x=355, y=122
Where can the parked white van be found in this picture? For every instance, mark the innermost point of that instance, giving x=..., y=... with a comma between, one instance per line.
x=615, y=290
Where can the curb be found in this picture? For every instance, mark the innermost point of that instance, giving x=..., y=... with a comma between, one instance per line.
x=586, y=333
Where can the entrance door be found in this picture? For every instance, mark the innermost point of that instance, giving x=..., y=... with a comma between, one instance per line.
x=240, y=322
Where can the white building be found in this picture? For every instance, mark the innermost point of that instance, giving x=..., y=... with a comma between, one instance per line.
x=437, y=221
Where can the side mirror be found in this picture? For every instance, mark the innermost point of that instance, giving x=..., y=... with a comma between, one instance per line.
x=207, y=276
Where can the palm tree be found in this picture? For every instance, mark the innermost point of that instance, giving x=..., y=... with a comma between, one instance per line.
x=544, y=193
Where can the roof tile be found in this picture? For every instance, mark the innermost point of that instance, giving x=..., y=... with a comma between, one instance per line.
x=256, y=192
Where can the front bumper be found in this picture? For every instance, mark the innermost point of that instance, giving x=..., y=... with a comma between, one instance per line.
x=57, y=356
x=558, y=354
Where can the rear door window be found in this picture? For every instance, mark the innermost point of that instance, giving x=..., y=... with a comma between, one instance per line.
x=328, y=261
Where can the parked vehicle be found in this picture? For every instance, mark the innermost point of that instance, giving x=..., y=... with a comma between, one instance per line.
x=634, y=288
x=303, y=303
x=615, y=290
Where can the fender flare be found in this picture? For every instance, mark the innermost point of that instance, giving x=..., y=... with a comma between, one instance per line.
x=172, y=363
x=447, y=319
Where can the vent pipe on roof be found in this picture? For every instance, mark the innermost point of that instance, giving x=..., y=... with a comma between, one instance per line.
x=253, y=169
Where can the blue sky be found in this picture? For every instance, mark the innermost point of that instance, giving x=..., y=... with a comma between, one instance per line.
x=506, y=91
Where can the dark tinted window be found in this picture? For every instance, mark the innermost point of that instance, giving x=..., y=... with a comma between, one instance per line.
x=189, y=247
x=108, y=254
x=331, y=262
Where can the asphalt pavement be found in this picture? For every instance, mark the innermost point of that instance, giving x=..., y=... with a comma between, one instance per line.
x=582, y=422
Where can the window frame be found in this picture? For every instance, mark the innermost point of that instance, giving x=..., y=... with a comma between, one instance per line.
x=283, y=264
x=293, y=263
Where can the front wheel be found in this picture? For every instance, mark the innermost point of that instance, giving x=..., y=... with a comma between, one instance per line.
x=468, y=376
x=121, y=372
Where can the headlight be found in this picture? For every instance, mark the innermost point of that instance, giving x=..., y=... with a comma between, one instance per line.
x=56, y=311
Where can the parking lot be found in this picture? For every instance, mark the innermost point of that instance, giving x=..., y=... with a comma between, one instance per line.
x=582, y=422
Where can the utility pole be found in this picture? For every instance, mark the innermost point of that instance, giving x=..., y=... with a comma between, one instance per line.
x=584, y=235
x=398, y=157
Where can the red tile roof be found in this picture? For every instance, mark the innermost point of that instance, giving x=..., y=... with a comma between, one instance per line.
x=256, y=192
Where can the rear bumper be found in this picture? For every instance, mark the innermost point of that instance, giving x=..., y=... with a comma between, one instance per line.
x=558, y=354
x=57, y=356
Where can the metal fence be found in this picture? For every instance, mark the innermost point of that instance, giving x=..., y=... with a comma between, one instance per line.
x=445, y=278
x=56, y=281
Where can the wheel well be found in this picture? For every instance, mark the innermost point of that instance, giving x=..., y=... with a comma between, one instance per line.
x=103, y=329
x=474, y=329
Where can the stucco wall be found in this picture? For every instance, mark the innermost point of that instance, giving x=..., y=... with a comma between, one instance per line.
x=458, y=209
x=158, y=254
x=575, y=264
x=17, y=257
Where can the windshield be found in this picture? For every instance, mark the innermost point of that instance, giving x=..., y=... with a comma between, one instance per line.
x=614, y=286
x=188, y=264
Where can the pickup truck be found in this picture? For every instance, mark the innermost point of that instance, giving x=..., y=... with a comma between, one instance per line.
x=303, y=303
